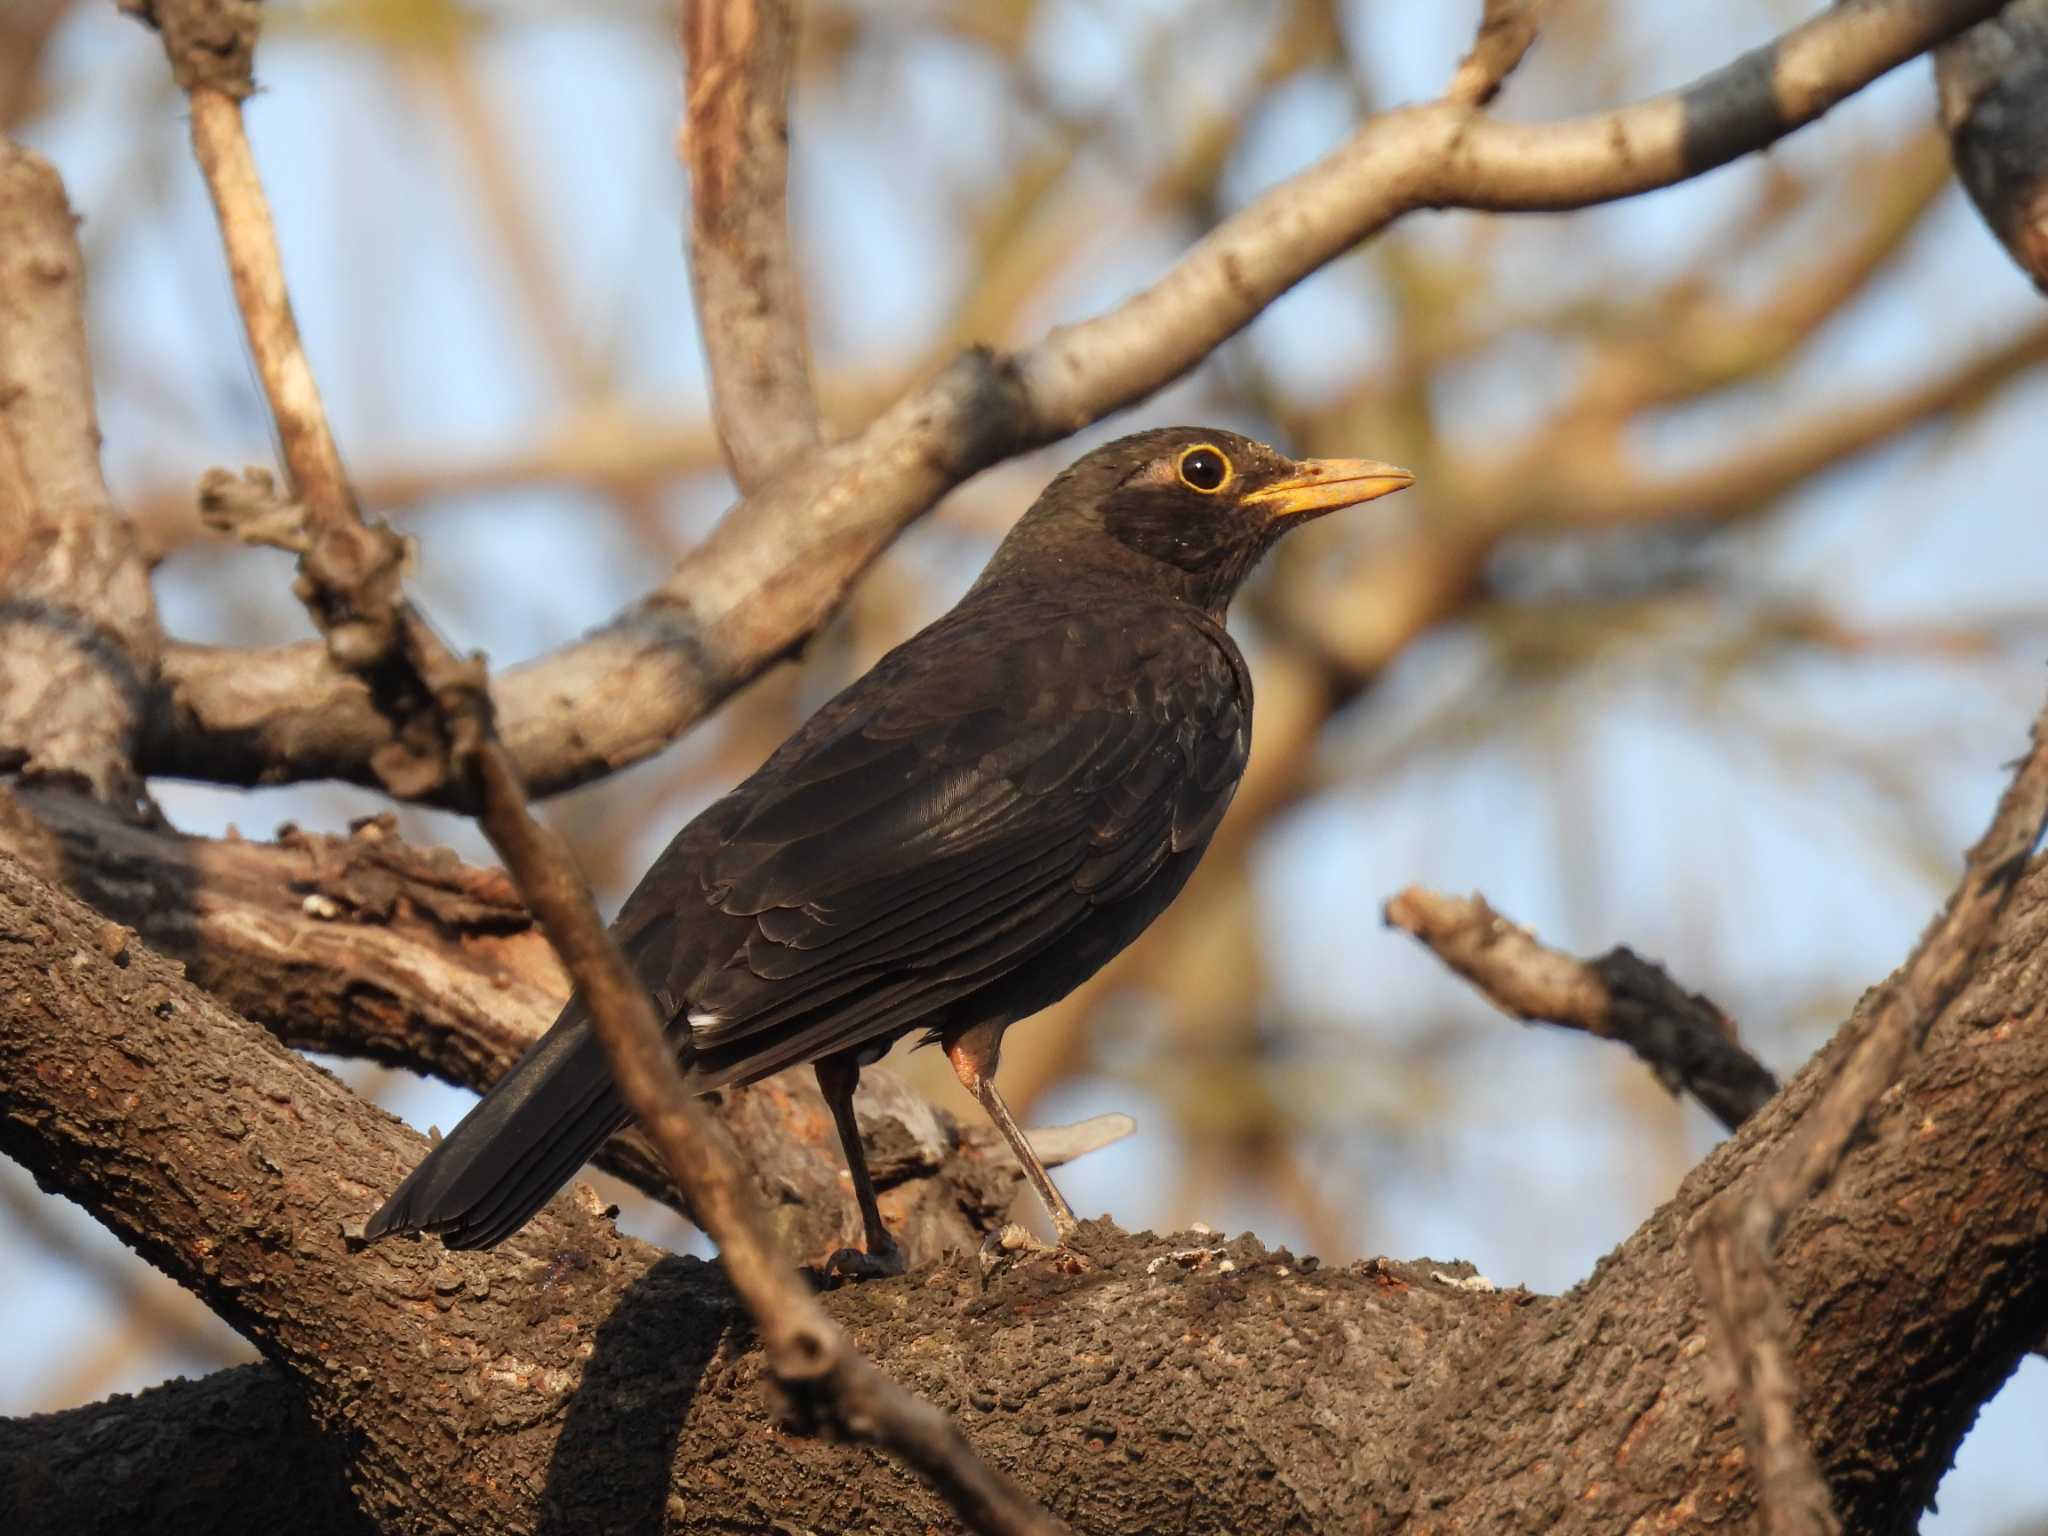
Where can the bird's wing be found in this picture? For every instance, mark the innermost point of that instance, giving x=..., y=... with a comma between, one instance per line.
x=963, y=806
x=936, y=831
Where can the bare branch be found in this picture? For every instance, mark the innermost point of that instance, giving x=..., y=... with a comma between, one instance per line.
x=78, y=628
x=741, y=55
x=1414, y=583
x=186, y=1131
x=1507, y=29
x=1438, y=156
x=782, y=560
x=1682, y=1037
x=1733, y=1242
x=1992, y=80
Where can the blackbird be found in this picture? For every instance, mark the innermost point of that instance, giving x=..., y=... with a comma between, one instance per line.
x=957, y=840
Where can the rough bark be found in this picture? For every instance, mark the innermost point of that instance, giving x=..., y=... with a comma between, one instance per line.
x=236, y=1451
x=576, y=1380
x=366, y=946
x=78, y=628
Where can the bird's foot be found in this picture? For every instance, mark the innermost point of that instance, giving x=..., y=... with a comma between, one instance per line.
x=1014, y=1245
x=878, y=1262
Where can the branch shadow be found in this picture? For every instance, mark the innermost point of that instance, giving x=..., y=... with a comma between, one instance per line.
x=610, y=1467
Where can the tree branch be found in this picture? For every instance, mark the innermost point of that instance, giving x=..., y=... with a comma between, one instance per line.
x=1994, y=102
x=581, y=1376
x=1732, y=1247
x=1414, y=582
x=1787, y=457
x=741, y=57
x=781, y=561
x=235, y=1451
x=1682, y=1037
x=197, y=1152
x=1507, y=30
x=78, y=627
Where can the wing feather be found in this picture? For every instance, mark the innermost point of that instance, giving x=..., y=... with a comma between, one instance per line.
x=934, y=834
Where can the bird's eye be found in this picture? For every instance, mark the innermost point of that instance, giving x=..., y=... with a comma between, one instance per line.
x=1204, y=468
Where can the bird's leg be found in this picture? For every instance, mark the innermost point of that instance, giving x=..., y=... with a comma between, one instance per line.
x=974, y=1062
x=838, y=1076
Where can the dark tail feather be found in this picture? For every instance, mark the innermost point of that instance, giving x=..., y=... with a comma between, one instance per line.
x=533, y=1130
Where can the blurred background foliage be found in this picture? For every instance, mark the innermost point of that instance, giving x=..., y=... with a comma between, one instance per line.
x=1716, y=609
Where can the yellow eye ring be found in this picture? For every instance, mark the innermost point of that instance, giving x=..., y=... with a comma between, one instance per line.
x=1205, y=468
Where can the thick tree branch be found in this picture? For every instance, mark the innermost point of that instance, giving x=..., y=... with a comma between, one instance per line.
x=235, y=1451
x=741, y=57
x=218, y=1135
x=78, y=627
x=1734, y=1243
x=1682, y=1037
x=581, y=1377
x=782, y=560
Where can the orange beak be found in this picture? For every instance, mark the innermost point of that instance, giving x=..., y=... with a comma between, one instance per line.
x=1323, y=485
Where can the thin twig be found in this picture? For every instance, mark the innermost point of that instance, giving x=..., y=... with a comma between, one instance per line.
x=1507, y=29
x=781, y=561
x=349, y=579
x=1732, y=1244
x=741, y=55
x=1688, y=1042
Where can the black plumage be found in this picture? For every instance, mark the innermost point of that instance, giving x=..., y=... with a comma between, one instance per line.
x=955, y=841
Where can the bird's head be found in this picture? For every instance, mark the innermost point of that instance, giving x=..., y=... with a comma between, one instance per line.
x=1187, y=509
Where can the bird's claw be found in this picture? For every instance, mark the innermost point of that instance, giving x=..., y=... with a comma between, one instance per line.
x=1014, y=1244
x=866, y=1264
